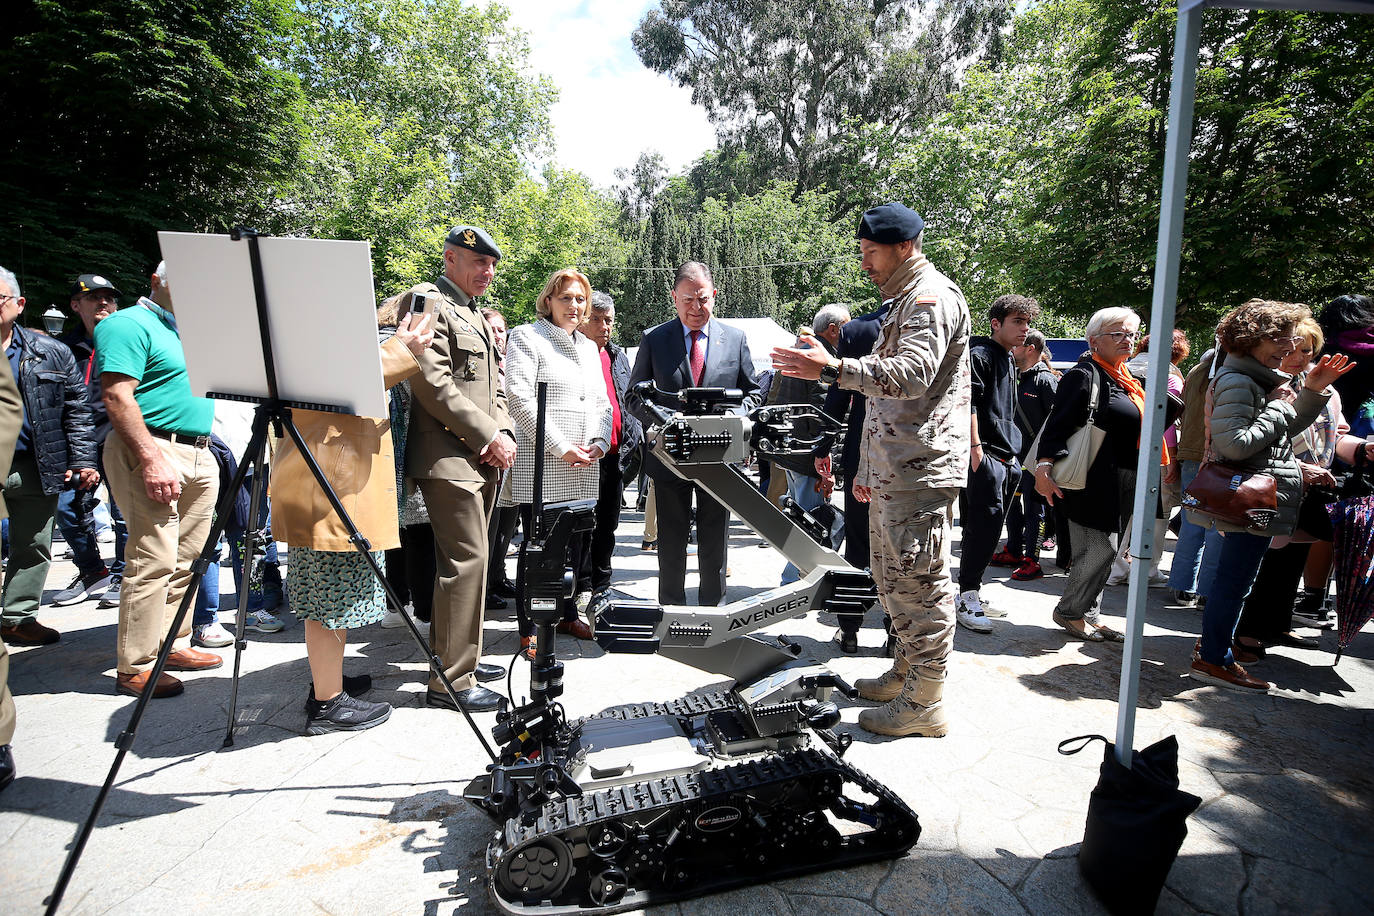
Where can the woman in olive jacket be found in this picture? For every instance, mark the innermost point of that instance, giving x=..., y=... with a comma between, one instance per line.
x=1252, y=416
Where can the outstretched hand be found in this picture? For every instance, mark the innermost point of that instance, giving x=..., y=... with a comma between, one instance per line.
x=1329, y=368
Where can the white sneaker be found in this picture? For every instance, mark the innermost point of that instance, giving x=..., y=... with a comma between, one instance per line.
x=992, y=610
x=968, y=610
x=211, y=636
x=1158, y=580
x=392, y=620
x=1118, y=578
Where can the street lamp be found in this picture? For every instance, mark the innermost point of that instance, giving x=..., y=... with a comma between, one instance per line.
x=53, y=321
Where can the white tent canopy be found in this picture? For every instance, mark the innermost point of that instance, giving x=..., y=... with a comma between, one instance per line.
x=1177, y=144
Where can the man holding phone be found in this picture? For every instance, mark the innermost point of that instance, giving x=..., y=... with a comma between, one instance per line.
x=458, y=444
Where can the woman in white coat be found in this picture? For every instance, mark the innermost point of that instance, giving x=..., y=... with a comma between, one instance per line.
x=577, y=422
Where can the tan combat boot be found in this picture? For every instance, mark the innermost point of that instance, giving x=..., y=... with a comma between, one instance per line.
x=886, y=688
x=918, y=710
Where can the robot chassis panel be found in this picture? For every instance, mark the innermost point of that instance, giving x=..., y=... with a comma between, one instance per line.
x=649, y=803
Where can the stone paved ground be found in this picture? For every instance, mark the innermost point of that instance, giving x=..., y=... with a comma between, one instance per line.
x=374, y=822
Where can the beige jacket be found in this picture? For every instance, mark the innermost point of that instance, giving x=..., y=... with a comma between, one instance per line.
x=356, y=456
x=917, y=383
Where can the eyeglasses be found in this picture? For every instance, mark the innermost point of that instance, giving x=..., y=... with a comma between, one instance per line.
x=6, y=298
x=1281, y=340
x=1119, y=336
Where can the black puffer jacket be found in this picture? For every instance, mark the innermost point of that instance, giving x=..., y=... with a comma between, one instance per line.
x=55, y=400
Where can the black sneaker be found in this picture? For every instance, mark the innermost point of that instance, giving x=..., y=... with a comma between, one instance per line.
x=353, y=686
x=344, y=714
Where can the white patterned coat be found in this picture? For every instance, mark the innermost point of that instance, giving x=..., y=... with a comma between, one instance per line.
x=578, y=413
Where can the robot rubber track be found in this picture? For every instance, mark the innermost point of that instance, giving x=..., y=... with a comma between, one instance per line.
x=682, y=836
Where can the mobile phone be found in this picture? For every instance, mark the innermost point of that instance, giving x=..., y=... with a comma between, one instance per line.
x=419, y=303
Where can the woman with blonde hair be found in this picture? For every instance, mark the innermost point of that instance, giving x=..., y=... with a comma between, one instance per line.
x=577, y=423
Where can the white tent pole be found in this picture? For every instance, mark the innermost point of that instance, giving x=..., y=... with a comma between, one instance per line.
x=1177, y=143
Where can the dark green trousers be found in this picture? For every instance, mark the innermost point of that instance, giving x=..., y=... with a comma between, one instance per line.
x=31, y=520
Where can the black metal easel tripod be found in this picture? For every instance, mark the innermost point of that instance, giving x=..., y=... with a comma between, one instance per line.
x=276, y=413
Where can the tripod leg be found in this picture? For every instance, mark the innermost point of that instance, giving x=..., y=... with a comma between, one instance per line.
x=365, y=548
x=125, y=739
x=254, y=459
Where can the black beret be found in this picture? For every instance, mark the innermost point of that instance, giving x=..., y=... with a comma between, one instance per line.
x=473, y=239
x=889, y=224
x=89, y=283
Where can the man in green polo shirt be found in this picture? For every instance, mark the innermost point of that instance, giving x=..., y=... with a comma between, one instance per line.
x=162, y=475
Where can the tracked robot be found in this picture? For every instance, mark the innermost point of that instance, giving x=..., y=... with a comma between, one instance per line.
x=649, y=803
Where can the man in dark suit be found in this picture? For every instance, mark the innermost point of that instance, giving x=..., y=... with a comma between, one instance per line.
x=692, y=350
x=857, y=338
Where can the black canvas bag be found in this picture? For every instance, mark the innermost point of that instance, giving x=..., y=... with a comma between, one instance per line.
x=1137, y=819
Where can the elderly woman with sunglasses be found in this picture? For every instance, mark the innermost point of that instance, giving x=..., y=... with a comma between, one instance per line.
x=1103, y=507
x=1252, y=417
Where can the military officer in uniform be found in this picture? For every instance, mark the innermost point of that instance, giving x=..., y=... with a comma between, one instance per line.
x=458, y=444
x=913, y=460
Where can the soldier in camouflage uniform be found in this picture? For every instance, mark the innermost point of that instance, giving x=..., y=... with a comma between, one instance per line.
x=913, y=461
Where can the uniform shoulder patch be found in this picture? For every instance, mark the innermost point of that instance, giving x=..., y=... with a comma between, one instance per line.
x=927, y=300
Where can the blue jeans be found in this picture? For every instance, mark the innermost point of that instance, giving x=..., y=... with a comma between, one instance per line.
x=1238, y=562
x=802, y=489
x=76, y=520
x=207, y=598
x=1197, y=548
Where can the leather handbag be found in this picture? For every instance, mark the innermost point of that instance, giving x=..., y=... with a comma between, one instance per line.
x=1234, y=495
x=1071, y=471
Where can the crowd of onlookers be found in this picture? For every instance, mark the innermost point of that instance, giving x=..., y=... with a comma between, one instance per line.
x=439, y=486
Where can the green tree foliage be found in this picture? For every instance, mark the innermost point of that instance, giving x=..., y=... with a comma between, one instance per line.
x=784, y=81
x=126, y=118
x=421, y=115
x=1043, y=174
x=776, y=254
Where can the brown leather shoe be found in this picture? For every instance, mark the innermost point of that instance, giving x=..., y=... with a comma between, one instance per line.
x=1232, y=675
x=133, y=685
x=577, y=629
x=29, y=633
x=193, y=660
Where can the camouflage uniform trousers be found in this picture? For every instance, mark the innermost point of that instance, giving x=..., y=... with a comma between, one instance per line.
x=910, y=558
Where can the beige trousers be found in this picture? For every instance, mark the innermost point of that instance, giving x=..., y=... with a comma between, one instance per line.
x=164, y=540
x=6, y=699
x=650, y=512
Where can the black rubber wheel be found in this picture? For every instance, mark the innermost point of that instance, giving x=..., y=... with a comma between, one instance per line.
x=535, y=872
x=608, y=887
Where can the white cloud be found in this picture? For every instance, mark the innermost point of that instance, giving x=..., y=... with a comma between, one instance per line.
x=611, y=107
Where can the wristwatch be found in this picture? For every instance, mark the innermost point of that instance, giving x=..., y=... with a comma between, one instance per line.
x=830, y=372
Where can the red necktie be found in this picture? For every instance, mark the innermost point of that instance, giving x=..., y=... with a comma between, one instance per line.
x=698, y=357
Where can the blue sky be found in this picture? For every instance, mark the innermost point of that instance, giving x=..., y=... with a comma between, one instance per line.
x=610, y=106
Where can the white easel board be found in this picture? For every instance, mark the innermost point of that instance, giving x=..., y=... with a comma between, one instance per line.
x=321, y=309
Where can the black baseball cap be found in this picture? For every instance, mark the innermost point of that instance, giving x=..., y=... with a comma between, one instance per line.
x=89, y=283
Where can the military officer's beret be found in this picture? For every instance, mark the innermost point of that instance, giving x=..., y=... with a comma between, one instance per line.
x=473, y=239
x=889, y=224
x=89, y=283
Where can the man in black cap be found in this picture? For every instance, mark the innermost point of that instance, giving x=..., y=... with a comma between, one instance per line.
x=55, y=449
x=93, y=299
x=458, y=444
x=914, y=454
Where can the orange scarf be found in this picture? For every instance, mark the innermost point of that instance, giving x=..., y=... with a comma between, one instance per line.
x=1134, y=390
